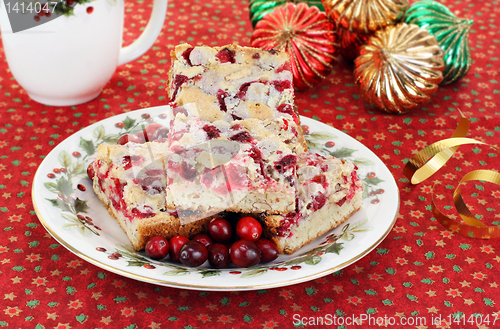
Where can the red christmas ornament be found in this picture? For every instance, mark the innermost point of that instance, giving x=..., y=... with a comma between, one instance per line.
x=306, y=34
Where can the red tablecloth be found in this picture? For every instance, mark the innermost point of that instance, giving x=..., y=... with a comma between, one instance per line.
x=421, y=271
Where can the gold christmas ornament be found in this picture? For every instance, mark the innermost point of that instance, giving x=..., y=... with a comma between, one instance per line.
x=399, y=68
x=364, y=16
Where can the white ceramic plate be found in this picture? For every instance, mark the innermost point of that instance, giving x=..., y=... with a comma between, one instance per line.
x=68, y=208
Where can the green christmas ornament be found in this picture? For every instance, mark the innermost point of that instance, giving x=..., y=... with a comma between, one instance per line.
x=451, y=32
x=259, y=8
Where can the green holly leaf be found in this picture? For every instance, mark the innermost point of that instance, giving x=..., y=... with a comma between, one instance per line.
x=129, y=123
x=64, y=186
x=334, y=248
x=363, y=162
x=254, y=273
x=372, y=181
x=81, y=205
x=87, y=146
x=52, y=187
x=209, y=273
x=176, y=272
x=79, y=169
x=322, y=135
x=313, y=260
x=135, y=263
x=99, y=132
x=111, y=139
x=59, y=204
x=342, y=153
x=64, y=159
x=81, y=318
x=312, y=145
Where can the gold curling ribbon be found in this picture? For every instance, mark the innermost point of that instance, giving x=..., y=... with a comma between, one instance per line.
x=429, y=160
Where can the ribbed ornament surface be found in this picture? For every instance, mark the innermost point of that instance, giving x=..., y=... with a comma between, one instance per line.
x=399, y=68
x=306, y=34
x=451, y=32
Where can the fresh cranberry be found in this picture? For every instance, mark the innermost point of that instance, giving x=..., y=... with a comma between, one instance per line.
x=175, y=245
x=220, y=230
x=178, y=81
x=186, y=54
x=90, y=171
x=120, y=125
x=160, y=134
x=157, y=247
x=268, y=249
x=212, y=131
x=150, y=131
x=81, y=187
x=129, y=138
x=193, y=253
x=149, y=266
x=56, y=170
x=226, y=56
x=371, y=175
x=242, y=137
x=248, y=228
x=63, y=170
x=90, y=10
x=51, y=175
x=287, y=162
x=218, y=255
x=221, y=95
x=76, y=154
x=162, y=115
x=245, y=253
x=204, y=239
x=36, y=18
x=330, y=144
x=179, y=109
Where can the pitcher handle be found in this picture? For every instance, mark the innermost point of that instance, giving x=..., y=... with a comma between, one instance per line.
x=148, y=36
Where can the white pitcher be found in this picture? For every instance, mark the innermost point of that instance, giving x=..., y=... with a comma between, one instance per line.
x=68, y=60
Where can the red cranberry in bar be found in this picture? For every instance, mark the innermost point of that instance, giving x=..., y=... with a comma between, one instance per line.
x=212, y=131
x=186, y=54
x=226, y=56
x=287, y=162
x=242, y=137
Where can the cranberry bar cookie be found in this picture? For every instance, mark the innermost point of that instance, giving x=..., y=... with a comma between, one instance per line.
x=329, y=192
x=240, y=166
x=233, y=82
x=130, y=181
